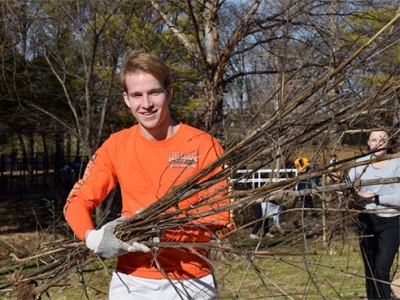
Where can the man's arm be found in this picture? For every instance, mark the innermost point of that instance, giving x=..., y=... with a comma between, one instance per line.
x=88, y=193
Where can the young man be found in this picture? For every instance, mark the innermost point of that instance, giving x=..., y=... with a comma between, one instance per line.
x=147, y=160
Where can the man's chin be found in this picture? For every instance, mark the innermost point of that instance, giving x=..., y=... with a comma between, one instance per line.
x=149, y=123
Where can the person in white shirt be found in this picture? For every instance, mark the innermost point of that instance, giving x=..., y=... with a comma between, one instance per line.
x=333, y=159
x=263, y=212
x=379, y=222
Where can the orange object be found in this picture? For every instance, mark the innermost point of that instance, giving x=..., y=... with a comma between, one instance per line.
x=146, y=170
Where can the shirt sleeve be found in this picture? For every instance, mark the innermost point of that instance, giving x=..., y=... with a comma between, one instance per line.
x=89, y=192
x=352, y=175
x=277, y=222
x=274, y=210
x=391, y=194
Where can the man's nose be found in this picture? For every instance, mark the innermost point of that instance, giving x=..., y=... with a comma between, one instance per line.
x=146, y=101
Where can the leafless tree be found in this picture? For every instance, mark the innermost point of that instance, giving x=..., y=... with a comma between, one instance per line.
x=290, y=74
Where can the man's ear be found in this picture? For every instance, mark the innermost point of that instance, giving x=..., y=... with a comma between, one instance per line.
x=126, y=99
x=170, y=90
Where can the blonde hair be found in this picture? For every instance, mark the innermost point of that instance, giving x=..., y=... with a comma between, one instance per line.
x=137, y=61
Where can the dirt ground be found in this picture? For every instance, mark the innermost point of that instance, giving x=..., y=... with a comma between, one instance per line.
x=25, y=223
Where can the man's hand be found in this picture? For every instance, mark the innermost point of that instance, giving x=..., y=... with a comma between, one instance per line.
x=104, y=243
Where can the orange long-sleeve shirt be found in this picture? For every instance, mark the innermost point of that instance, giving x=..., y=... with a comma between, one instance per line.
x=146, y=170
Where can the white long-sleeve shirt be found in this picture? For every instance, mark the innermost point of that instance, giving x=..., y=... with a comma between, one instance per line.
x=389, y=194
x=272, y=210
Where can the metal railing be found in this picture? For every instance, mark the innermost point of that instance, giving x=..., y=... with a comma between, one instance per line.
x=254, y=179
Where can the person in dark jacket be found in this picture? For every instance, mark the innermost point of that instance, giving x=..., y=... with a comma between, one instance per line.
x=303, y=166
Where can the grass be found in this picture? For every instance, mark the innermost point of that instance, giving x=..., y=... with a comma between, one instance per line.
x=293, y=277
x=91, y=282
x=337, y=275
x=302, y=268
x=334, y=273
x=330, y=272
x=296, y=267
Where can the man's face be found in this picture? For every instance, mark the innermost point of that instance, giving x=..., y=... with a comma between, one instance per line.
x=378, y=140
x=148, y=101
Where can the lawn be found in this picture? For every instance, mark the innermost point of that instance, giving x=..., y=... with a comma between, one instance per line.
x=299, y=265
x=311, y=277
x=291, y=273
x=285, y=272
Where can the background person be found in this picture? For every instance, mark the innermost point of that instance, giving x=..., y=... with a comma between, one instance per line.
x=147, y=160
x=378, y=225
x=333, y=159
x=303, y=166
x=273, y=209
x=263, y=212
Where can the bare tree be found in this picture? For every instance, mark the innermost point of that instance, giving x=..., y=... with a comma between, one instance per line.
x=255, y=34
x=292, y=76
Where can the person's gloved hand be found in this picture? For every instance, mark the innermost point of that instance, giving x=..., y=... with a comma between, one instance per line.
x=104, y=243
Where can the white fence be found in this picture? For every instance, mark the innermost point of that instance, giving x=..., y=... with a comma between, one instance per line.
x=262, y=176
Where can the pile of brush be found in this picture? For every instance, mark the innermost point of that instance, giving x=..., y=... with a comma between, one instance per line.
x=277, y=138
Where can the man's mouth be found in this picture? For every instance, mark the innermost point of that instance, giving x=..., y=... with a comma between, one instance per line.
x=148, y=113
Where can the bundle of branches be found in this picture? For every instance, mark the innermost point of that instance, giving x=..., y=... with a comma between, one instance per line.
x=31, y=275
x=54, y=261
x=147, y=223
x=275, y=138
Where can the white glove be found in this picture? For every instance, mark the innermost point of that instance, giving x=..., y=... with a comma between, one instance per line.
x=104, y=243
